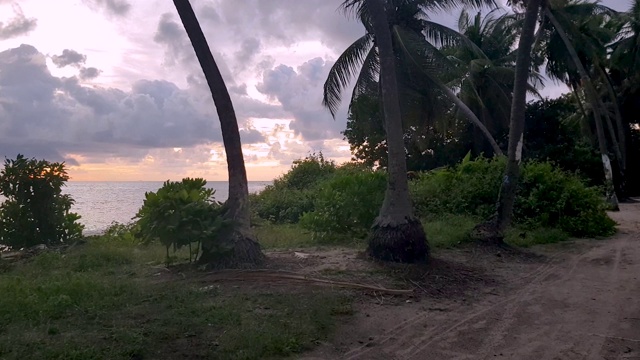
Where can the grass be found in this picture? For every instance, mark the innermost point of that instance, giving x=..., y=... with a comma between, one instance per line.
x=448, y=231
x=444, y=232
x=523, y=237
x=292, y=236
x=112, y=301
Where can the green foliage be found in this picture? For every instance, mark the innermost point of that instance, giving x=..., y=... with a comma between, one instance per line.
x=447, y=231
x=283, y=236
x=99, y=301
x=307, y=172
x=346, y=204
x=291, y=195
x=466, y=189
x=525, y=237
x=180, y=214
x=547, y=196
x=35, y=211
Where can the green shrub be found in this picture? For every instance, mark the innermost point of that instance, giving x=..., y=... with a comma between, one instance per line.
x=306, y=173
x=550, y=197
x=470, y=188
x=346, y=204
x=292, y=194
x=35, y=210
x=281, y=205
x=180, y=214
x=547, y=196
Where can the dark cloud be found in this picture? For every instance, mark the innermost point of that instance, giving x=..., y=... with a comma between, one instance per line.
x=113, y=7
x=46, y=116
x=69, y=57
x=248, y=50
x=208, y=12
x=18, y=25
x=251, y=136
x=239, y=90
x=300, y=93
x=172, y=35
x=89, y=73
x=287, y=21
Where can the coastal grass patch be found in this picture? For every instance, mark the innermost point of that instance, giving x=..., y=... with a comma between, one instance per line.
x=527, y=237
x=106, y=301
x=448, y=231
x=294, y=236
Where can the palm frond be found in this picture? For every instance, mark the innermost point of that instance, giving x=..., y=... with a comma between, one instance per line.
x=440, y=35
x=344, y=69
x=369, y=73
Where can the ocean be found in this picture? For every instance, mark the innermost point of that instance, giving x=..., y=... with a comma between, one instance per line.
x=101, y=203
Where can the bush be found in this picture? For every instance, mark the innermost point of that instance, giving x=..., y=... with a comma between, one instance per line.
x=346, y=204
x=550, y=197
x=35, y=210
x=547, y=196
x=180, y=214
x=291, y=195
x=281, y=205
x=470, y=188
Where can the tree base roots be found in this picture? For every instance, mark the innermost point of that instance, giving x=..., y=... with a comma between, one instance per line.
x=487, y=233
x=403, y=242
x=242, y=252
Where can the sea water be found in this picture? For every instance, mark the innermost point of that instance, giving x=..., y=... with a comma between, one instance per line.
x=101, y=203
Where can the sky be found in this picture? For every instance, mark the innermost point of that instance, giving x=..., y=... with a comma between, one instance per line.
x=113, y=88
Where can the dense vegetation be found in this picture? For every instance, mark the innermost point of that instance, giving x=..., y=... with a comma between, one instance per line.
x=34, y=210
x=339, y=203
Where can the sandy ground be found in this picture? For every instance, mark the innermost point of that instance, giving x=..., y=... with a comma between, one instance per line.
x=580, y=300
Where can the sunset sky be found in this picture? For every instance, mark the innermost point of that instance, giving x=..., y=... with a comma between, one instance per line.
x=113, y=87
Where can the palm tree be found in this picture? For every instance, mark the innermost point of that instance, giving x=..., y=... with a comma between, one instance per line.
x=486, y=82
x=238, y=245
x=492, y=231
x=556, y=13
x=397, y=235
x=409, y=26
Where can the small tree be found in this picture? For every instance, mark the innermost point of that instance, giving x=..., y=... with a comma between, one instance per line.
x=181, y=214
x=34, y=210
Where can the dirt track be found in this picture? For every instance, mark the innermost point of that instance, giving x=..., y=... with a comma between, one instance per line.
x=582, y=303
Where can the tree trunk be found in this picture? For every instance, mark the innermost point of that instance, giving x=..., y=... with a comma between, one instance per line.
x=622, y=135
x=396, y=235
x=593, y=99
x=492, y=231
x=236, y=248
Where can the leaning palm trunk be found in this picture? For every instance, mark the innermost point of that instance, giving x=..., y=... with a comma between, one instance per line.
x=492, y=231
x=397, y=235
x=593, y=99
x=235, y=247
x=621, y=144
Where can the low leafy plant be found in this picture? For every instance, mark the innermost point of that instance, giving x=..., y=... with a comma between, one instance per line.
x=552, y=198
x=35, y=211
x=346, y=204
x=291, y=195
x=547, y=196
x=180, y=214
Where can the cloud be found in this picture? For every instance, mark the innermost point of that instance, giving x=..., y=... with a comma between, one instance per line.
x=248, y=50
x=112, y=7
x=48, y=116
x=18, y=25
x=69, y=57
x=172, y=35
x=300, y=93
x=89, y=73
